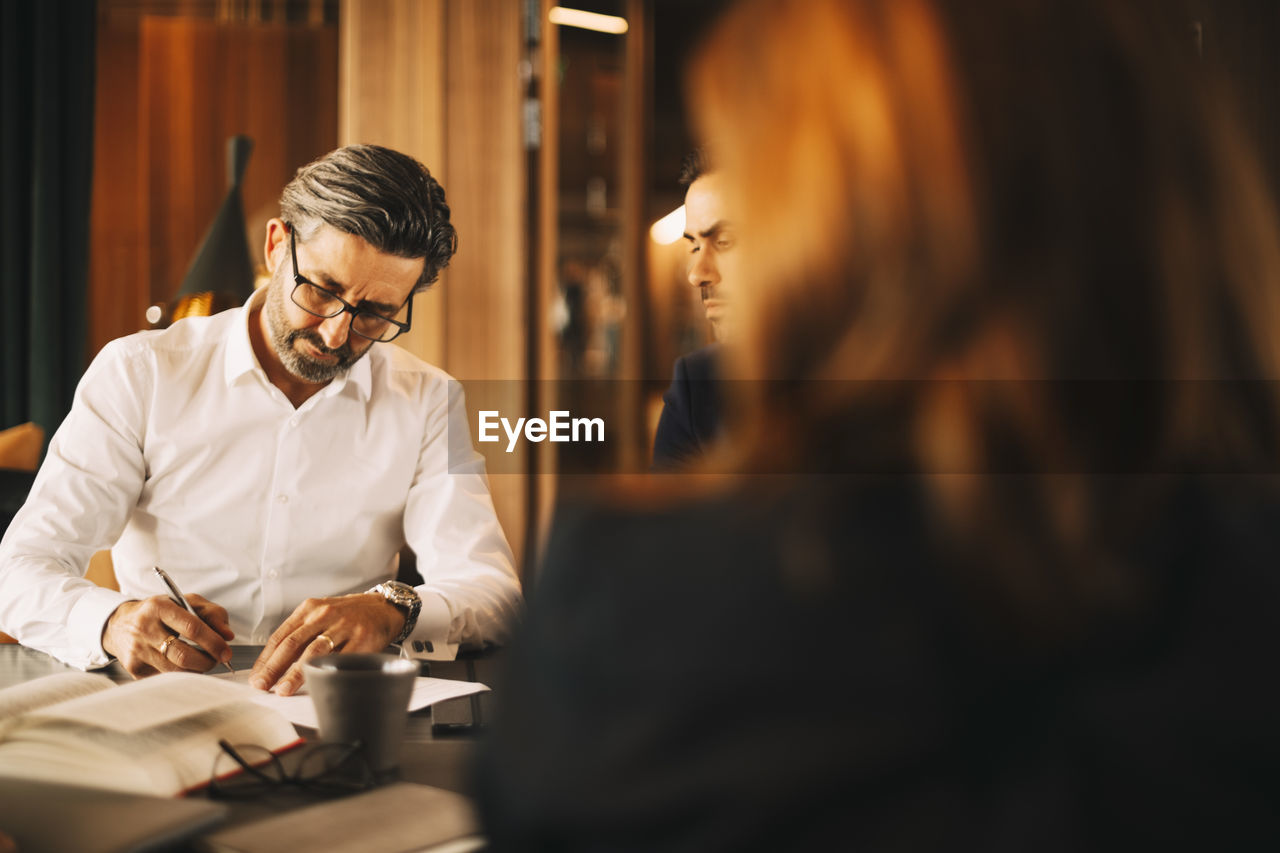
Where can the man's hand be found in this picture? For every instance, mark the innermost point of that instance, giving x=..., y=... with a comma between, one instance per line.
x=145, y=635
x=363, y=622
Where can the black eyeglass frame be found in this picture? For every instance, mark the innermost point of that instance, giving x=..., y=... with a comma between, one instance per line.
x=343, y=306
x=328, y=781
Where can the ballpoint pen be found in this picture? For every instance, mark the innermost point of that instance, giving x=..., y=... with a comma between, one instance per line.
x=181, y=600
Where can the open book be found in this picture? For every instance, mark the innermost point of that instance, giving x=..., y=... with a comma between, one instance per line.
x=155, y=736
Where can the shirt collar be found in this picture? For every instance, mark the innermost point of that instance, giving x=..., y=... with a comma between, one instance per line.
x=241, y=360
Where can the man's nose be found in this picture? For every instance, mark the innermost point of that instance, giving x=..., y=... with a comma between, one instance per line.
x=334, y=330
x=703, y=272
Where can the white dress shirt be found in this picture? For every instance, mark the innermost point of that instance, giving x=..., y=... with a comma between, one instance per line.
x=179, y=453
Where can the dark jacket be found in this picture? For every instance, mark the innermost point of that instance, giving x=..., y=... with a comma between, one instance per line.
x=809, y=671
x=690, y=417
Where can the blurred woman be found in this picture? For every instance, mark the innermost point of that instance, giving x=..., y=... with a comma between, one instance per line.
x=996, y=567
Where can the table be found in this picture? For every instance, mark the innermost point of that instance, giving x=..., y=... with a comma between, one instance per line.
x=438, y=746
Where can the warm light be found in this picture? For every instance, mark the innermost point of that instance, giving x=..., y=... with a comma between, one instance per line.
x=587, y=20
x=669, y=228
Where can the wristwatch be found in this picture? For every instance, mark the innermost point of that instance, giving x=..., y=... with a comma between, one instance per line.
x=405, y=596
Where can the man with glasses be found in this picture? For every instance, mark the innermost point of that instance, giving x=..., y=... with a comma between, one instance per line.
x=273, y=460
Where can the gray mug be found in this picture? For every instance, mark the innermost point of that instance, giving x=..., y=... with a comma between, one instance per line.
x=363, y=698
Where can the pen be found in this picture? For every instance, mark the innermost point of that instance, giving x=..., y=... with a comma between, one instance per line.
x=180, y=600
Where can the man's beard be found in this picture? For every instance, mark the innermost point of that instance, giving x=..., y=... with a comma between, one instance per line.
x=284, y=338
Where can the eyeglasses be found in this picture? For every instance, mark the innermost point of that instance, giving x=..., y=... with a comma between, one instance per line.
x=248, y=770
x=315, y=300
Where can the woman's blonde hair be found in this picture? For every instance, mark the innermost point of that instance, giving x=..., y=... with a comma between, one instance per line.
x=1014, y=249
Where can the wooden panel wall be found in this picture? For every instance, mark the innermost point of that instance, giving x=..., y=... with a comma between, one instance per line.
x=391, y=92
x=201, y=83
x=171, y=91
x=439, y=79
x=487, y=326
x=485, y=166
x=118, y=290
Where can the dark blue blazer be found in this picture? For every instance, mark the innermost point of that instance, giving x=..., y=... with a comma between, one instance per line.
x=690, y=417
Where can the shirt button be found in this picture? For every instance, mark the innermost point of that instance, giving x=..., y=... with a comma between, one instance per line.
x=273, y=574
x=282, y=499
x=293, y=422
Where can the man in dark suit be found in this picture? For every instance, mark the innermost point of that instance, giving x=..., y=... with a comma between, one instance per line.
x=690, y=416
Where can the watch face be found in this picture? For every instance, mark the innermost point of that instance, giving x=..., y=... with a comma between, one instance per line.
x=400, y=594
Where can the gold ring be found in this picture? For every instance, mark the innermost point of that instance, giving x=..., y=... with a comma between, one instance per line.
x=328, y=640
x=164, y=647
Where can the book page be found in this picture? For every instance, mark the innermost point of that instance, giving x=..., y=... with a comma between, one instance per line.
x=149, y=702
x=164, y=760
x=49, y=690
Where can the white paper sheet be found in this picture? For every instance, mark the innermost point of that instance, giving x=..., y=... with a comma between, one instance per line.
x=299, y=710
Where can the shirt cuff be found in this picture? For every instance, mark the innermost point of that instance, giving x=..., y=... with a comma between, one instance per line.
x=86, y=622
x=430, y=637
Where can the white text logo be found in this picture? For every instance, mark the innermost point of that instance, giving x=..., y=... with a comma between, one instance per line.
x=558, y=427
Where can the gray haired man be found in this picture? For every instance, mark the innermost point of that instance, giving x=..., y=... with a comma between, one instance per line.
x=273, y=459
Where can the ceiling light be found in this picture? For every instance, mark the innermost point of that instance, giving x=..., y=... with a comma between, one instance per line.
x=669, y=228
x=587, y=20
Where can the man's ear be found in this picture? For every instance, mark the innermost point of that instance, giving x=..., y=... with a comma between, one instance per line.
x=277, y=243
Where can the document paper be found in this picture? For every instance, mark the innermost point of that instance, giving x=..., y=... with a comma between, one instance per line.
x=299, y=710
